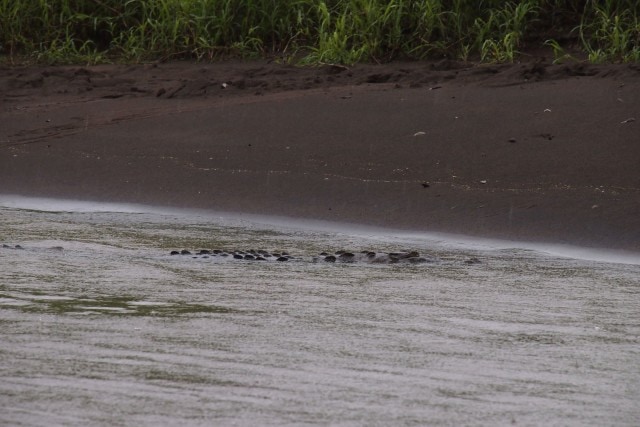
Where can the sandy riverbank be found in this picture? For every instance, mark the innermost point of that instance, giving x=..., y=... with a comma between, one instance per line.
x=529, y=151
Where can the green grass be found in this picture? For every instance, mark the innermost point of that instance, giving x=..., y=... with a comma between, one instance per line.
x=612, y=33
x=315, y=31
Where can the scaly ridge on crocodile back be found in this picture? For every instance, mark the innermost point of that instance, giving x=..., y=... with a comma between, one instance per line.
x=341, y=256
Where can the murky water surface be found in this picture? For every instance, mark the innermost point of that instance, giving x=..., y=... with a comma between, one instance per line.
x=99, y=325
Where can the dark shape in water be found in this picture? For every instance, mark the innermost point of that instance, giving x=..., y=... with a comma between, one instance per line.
x=347, y=257
x=412, y=254
x=14, y=247
x=342, y=256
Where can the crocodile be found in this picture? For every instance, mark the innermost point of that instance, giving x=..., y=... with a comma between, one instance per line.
x=341, y=256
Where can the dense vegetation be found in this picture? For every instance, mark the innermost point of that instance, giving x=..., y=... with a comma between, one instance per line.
x=335, y=31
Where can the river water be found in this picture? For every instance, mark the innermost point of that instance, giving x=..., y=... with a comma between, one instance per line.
x=99, y=325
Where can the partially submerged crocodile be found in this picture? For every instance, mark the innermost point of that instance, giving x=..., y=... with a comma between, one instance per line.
x=341, y=256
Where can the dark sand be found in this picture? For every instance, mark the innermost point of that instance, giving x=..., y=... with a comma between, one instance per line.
x=531, y=151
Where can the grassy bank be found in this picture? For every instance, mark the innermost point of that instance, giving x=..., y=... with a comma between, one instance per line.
x=336, y=31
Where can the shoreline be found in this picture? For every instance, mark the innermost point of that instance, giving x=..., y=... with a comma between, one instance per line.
x=522, y=152
x=455, y=241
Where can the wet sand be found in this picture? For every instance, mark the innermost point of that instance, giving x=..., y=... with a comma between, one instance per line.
x=529, y=151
